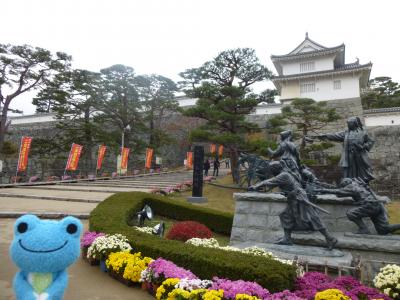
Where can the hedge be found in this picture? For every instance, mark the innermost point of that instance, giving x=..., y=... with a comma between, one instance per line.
x=217, y=221
x=111, y=216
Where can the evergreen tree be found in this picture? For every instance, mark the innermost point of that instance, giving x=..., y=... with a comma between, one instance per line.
x=73, y=96
x=225, y=99
x=306, y=117
x=120, y=106
x=22, y=69
x=382, y=92
x=156, y=92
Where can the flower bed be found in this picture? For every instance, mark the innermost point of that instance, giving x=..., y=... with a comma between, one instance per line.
x=250, y=273
x=203, y=262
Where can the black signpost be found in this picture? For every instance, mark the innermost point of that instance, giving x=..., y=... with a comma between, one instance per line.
x=197, y=191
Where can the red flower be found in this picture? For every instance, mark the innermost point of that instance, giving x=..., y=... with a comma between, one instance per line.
x=184, y=231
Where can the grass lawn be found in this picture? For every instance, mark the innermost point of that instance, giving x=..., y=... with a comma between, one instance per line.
x=218, y=198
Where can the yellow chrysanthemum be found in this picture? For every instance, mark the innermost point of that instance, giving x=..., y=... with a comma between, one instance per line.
x=331, y=294
x=245, y=297
x=166, y=287
x=213, y=295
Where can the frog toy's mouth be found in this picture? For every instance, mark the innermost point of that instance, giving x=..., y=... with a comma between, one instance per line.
x=41, y=251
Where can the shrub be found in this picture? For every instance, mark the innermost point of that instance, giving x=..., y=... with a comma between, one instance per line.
x=217, y=221
x=183, y=231
x=111, y=215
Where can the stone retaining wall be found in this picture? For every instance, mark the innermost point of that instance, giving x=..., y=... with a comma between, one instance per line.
x=257, y=216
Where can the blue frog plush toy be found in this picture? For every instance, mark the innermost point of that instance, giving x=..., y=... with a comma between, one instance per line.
x=43, y=249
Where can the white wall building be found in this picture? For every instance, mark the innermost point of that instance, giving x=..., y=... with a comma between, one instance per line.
x=382, y=117
x=320, y=73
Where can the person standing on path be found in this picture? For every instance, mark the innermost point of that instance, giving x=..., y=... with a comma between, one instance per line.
x=227, y=163
x=216, y=166
x=206, y=167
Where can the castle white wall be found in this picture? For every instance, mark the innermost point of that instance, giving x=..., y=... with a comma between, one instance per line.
x=321, y=64
x=324, y=88
x=267, y=109
x=385, y=119
x=32, y=119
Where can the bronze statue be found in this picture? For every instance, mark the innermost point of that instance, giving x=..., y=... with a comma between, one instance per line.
x=354, y=160
x=300, y=213
x=287, y=151
x=368, y=206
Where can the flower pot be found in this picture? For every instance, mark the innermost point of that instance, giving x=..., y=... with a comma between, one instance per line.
x=153, y=289
x=84, y=251
x=120, y=278
x=103, y=266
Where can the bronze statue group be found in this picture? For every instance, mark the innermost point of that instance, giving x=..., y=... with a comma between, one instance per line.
x=300, y=185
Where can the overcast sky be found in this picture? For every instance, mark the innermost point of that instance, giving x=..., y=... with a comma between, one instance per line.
x=168, y=36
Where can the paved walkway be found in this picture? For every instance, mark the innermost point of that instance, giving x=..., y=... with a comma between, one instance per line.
x=81, y=197
x=85, y=282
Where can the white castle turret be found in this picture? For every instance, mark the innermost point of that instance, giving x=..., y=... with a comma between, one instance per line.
x=318, y=72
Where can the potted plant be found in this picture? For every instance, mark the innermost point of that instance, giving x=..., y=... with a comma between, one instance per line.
x=102, y=246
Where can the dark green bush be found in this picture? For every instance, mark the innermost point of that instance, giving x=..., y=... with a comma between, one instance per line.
x=112, y=214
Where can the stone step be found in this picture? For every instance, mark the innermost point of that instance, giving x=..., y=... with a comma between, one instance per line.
x=42, y=215
x=88, y=189
x=32, y=205
x=58, y=193
x=52, y=198
x=129, y=187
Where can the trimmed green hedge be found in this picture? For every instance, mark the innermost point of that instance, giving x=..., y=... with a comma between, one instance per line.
x=111, y=216
x=217, y=221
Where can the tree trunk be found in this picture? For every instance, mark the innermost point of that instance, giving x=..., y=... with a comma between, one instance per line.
x=3, y=123
x=234, y=157
x=88, y=138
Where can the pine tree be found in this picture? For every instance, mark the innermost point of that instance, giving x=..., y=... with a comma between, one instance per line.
x=225, y=99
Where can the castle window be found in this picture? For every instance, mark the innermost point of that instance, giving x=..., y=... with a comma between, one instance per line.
x=337, y=84
x=307, y=66
x=307, y=87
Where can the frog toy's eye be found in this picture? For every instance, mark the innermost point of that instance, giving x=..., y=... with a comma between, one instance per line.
x=25, y=223
x=22, y=227
x=72, y=228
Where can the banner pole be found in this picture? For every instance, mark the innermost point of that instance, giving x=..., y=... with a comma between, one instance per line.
x=69, y=155
x=95, y=172
x=19, y=157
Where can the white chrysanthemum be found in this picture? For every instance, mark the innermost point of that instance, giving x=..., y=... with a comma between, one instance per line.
x=148, y=230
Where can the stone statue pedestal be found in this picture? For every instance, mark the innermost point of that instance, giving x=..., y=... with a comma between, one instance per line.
x=256, y=222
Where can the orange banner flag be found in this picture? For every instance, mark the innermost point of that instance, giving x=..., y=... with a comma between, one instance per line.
x=124, y=158
x=220, y=150
x=189, y=159
x=100, y=156
x=23, y=153
x=212, y=148
x=73, y=159
x=149, y=157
